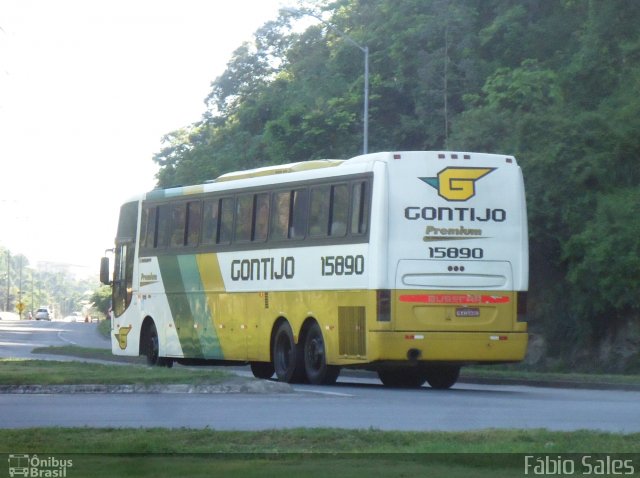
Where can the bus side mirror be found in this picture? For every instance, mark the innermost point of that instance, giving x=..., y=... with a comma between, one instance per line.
x=104, y=271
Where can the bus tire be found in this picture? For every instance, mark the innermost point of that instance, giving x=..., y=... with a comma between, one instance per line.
x=442, y=377
x=288, y=357
x=315, y=359
x=151, y=348
x=262, y=370
x=409, y=377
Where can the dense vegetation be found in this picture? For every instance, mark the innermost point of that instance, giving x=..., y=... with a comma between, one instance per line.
x=556, y=83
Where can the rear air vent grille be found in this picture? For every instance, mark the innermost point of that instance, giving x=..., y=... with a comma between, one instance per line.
x=352, y=328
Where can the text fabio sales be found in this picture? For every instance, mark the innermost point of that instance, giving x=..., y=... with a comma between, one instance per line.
x=587, y=465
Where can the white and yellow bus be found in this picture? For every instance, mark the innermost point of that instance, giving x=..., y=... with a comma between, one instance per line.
x=411, y=264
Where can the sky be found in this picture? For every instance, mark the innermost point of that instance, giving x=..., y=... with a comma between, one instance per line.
x=87, y=90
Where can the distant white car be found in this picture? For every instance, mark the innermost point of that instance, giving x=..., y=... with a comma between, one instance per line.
x=43, y=313
x=74, y=317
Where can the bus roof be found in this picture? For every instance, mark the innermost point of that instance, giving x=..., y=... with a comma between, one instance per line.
x=280, y=169
x=311, y=165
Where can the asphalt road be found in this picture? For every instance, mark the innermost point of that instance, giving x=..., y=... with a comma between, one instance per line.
x=352, y=403
x=19, y=338
x=344, y=406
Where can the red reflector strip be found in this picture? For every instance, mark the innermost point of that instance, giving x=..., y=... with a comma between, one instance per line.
x=454, y=299
x=499, y=337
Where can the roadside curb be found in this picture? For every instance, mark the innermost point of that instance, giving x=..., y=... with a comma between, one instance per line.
x=232, y=386
x=471, y=379
x=551, y=383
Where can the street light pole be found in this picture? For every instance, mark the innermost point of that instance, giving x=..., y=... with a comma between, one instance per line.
x=8, y=280
x=363, y=49
x=365, y=140
x=20, y=305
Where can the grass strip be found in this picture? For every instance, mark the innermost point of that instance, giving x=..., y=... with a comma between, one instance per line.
x=316, y=440
x=88, y=353
x=512, y=373
x=48, y=372
x=311, y=452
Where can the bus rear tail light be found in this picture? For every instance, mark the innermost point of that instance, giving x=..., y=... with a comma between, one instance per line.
x=383, y=305
x=522, y=306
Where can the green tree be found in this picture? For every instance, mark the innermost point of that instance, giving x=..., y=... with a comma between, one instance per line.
x=101, y=299
x=605, y=259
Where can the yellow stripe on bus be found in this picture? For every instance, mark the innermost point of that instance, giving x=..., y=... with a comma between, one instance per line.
x=210, y=272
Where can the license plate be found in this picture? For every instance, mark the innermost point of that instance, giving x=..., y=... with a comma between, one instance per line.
x=467, y=312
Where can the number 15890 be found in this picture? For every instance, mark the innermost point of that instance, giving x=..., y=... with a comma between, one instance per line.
x=455, y=253
x=342, y=265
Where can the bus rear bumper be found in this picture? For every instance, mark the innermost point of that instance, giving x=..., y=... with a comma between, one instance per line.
x=448, y=346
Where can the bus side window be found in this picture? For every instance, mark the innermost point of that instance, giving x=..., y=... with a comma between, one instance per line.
x=210, y=221
x=244, y=218
x=225, y=230
x=359, y=209
x=339, y=210
x=280, y=215
x=164, y=223
x=261, y=217
x=148, y=230
x=319, y=211
x=178, y=223
x=194, y=222
x=299, y=214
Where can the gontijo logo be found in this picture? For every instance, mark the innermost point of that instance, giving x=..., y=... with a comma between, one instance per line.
x=457, y=184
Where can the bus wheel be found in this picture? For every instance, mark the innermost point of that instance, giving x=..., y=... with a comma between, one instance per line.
x=287, y=356
x=442, y=377
x=413, y=377
x=262, y=370
x=315, y=359
x=152, y=346
x=151, y=349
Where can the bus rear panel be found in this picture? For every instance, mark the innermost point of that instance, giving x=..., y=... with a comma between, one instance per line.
x=457, y=259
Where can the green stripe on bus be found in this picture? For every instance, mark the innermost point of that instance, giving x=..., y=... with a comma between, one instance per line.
x=179, y=306
x=200, y=311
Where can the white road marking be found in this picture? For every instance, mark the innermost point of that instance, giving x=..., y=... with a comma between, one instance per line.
x=322, y=392
x=65, y=340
